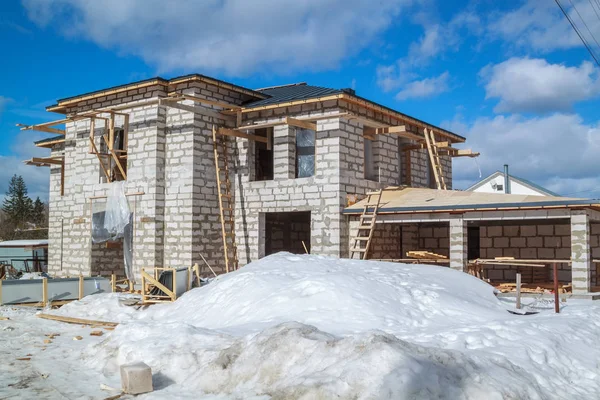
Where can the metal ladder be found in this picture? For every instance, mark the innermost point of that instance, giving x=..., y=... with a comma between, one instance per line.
x=226, y=202
x=366, y=226
x=436, y=163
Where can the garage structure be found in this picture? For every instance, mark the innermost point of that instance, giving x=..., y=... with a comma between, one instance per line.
x=503, y=234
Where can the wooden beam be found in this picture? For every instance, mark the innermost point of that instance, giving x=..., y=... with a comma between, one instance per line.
x=235, y=133
x=47, y=160
x=41, y=128
x=300, y=123
x=400, y=130
x=78, y=321
x=50, y=143
x=260, y=126
x=465, y=153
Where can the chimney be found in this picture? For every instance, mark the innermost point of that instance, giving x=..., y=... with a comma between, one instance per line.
x=506, y=180
x=349, y=91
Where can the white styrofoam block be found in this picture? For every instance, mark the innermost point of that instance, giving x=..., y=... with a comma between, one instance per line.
x=136, y=378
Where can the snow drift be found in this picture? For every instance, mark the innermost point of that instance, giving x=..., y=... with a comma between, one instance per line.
x=311, y=327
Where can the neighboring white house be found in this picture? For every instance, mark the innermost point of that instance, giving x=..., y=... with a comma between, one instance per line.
x=495, y=184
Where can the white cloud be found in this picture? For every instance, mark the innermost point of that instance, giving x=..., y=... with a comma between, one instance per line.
x=525, y=84
x=423, y=88
x=3, y=102
x=436, y=41
x=540, y=25
x=559, y=151
x=235, y=36
x=36, y=178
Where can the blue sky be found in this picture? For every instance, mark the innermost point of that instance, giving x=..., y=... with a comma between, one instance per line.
x=513, y=78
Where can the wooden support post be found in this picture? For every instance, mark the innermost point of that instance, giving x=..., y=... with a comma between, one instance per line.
x=62, y=178
x=1, y=292
x=44, y=292
x=126, y=132
x=189, y=279
x=174, y=284
x=556, y=303
x=305, y=249
x=518, y=306
x=113, y=283
x=143, y=285
x=81, y=287
x=92, y=128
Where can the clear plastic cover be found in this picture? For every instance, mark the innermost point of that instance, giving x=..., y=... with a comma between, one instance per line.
x=305, y=152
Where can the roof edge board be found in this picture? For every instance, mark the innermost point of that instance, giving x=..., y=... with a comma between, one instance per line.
x=490, y=206
x=149, y=82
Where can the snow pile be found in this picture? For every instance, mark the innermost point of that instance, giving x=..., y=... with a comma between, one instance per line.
x=304, y=327
x=336, y=295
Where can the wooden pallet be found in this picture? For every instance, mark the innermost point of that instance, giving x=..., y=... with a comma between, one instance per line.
x=226, y=201
x=366, y=226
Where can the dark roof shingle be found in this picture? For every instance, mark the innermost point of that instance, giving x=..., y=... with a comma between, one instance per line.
x=295, y=92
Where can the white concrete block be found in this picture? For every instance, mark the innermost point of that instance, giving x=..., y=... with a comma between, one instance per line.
x=136, y=378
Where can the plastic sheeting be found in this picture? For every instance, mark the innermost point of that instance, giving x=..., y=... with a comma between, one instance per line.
x=114, y=223
x=117, y=209
x=305, y=153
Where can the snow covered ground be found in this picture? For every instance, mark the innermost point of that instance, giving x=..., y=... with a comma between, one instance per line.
x=309, y=327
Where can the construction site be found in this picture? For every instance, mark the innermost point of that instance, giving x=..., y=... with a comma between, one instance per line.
x=193, y=172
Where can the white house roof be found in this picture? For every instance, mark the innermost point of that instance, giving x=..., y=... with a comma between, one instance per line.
x=25, y=243
x=420, y=200
x=522, y=181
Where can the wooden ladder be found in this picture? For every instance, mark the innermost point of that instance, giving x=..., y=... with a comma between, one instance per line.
x=226, y=202
x=434, y=156
x=366, y=226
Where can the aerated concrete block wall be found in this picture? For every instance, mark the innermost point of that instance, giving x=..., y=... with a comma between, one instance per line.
x=170, y=160
x=543, y=241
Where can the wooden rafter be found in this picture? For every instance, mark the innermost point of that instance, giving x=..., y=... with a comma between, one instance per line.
x=400, y=130
x=234, y=133
x=49, y=162
x=305, y=123
x=49, y=144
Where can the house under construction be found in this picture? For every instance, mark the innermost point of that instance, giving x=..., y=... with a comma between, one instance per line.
x=233, y=174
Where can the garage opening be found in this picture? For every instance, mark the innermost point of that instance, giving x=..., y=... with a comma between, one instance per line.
x=285, y=231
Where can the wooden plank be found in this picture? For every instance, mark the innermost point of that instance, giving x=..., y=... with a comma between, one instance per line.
x=49, y=144
x=78, y=321
x=518, y=305
x=400, y=130
x=300, y=123
x=92, y=131
x=44, y=292
x=106, y=173
x=44, y=129
x=47, y=160
x=465, y=153
x=81, y=281
x=159, y=285
x=235, y=133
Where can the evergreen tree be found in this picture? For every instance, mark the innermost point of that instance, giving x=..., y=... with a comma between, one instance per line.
x=17, y=205
x=38, y=213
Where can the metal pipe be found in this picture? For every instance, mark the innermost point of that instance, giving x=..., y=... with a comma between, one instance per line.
x=506, y=180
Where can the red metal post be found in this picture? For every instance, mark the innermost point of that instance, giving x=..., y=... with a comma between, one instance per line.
x=556, y=303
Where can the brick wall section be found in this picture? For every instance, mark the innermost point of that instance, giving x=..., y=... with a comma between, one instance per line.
x=544, y=241
x=434, y=239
